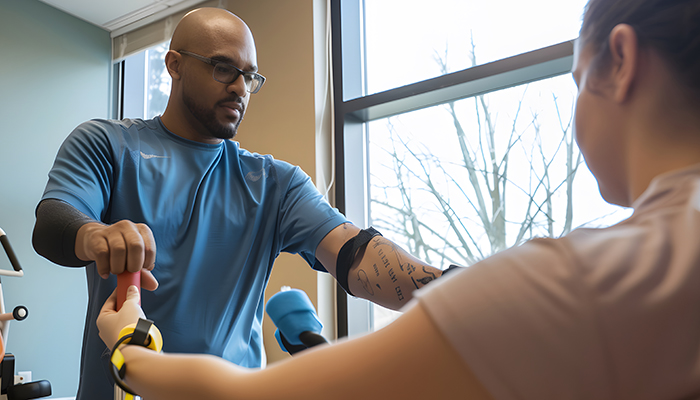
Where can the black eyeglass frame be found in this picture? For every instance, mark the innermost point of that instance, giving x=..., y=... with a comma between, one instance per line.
x=255, y=78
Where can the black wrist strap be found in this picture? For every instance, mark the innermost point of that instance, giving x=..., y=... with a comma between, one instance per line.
x=119, y=371
x=347, y=253
x=139, y=337
x=451, y=268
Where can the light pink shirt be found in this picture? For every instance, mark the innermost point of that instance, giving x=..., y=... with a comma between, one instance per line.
x=600, y=314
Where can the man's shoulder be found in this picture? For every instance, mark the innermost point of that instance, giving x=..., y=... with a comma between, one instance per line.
x=255, y=167
x=263, y=160
x=110, y=123
x=119, y=125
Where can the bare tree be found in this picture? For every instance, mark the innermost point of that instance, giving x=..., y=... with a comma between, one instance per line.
x=460, y=211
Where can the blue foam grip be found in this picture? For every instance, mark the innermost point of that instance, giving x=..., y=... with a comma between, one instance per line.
x=292, y=313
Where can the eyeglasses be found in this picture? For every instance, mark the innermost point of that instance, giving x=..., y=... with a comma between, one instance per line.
x=227, y=73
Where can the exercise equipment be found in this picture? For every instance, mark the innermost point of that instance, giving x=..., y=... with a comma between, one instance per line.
x=11, y=387
x=124, y=280
x=298, y=326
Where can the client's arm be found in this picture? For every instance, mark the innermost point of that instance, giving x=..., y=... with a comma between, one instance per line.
x=409, y=359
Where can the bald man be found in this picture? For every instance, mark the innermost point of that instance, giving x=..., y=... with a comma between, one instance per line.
x=217, y=214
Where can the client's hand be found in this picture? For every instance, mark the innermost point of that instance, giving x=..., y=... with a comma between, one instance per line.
x=110, y=322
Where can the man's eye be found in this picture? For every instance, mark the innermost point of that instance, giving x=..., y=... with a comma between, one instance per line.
x=224, y=69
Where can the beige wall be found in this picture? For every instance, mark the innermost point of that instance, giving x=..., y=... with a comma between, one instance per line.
x=281, y=118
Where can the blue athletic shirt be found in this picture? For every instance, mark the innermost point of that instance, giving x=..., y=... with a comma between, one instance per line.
x=220, y=216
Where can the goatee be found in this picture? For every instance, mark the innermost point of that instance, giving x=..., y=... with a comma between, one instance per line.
x=207, y=117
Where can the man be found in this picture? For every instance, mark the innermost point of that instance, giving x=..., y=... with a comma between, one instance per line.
x=218, y=214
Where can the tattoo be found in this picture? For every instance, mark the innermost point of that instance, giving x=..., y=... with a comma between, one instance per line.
x=424, y=280
x=392, y=275
x=384, y=258
x=399, y=293
x=362, y=277
x=391, y=260
x=410, y=268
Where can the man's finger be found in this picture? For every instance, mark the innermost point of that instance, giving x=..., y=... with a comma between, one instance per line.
x=102, y=264
x=99, y=252
x=117, y=253
x=148, y=281
x=149, y=246
x=134, y=250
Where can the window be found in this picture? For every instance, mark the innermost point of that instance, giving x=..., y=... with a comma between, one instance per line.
x=454, y=129
x=146, y=83
x=409, y=41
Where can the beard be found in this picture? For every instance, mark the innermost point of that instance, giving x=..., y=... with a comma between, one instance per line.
x=207, y=117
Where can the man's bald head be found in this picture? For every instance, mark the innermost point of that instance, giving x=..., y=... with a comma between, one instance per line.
x=207, y=30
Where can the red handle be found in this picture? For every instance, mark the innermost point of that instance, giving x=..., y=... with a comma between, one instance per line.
x=124, y=280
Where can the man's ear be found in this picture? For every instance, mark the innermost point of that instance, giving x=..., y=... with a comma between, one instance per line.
x=173, y=61
x=624, y=51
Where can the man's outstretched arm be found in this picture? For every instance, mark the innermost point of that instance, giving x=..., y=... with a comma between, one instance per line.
x=380, y=271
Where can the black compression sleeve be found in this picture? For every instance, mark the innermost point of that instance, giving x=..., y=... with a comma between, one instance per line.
x=347, y=253
x=57, y=224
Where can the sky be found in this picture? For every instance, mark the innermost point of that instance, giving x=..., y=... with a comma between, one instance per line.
x=402, y=36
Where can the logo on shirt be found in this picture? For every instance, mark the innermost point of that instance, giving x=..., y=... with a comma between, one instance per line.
x=255, y=176
x=149, y=156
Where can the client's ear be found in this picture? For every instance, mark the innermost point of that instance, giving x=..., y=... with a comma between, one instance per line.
x=624, y=52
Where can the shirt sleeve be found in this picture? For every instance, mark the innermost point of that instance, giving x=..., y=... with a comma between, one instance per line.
x=524, y=324
x=82, y=174
x=306, y=218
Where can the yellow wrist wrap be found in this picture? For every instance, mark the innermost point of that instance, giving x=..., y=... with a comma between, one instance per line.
x=143, y=333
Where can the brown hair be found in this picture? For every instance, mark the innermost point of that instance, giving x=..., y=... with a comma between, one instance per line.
x=671, y=27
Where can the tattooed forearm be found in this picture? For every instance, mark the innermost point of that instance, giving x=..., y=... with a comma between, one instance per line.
x=388, y=275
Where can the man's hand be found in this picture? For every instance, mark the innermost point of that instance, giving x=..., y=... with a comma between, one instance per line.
x=122, y=246
x=110, y=322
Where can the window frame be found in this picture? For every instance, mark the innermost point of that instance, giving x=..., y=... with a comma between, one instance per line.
x=353, y=109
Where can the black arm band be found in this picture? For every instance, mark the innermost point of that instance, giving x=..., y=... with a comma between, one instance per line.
x=347, y=253
x=57, y=224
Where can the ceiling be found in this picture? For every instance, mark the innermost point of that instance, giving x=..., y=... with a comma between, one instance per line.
x=120, y=16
